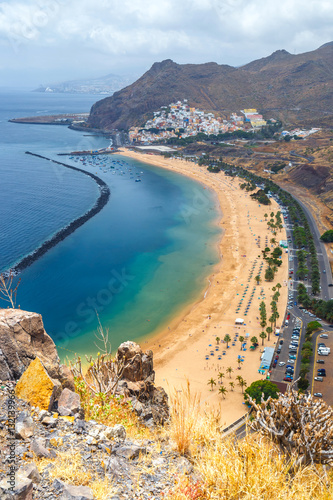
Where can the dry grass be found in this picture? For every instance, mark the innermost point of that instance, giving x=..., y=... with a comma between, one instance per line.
x=68, y=467
x=252, y=468
x=190, y=428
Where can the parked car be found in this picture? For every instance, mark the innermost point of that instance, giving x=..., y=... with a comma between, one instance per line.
x=282, y=363
x=321, y=361
x=323, y=336
x=278, y=350
x=321, y=344
x=281, y=341
x=288, y=379
x=318, y=395
x=319, y=379
x=292, y=356
x=292, y=361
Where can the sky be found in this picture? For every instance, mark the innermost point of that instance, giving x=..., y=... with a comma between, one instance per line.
x=49, y=41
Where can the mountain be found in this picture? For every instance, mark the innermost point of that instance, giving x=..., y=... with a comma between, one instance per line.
x=291, y=87
x=104, y=85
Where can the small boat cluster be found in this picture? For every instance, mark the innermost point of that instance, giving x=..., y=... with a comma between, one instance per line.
x=108, y=164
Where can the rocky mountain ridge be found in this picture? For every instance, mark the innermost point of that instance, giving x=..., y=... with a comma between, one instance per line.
x=282, y=85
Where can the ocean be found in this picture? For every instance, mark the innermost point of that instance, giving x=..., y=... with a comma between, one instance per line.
x=133, y=266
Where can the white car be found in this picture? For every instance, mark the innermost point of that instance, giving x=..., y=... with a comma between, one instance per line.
x=282, y=363
x=291, y=361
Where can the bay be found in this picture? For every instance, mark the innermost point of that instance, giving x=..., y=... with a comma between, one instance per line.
x=133, y=266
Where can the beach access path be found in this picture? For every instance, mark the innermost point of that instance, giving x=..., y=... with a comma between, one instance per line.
x=181, y=349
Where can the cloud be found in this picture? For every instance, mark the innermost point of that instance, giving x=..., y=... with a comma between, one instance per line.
x=137, y=32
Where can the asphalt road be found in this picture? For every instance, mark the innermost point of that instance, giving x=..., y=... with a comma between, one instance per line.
x=298, y=315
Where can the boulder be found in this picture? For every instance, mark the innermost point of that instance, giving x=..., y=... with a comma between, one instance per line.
x=36, y=387
x=140, y=364
x=30, y=471
x=24, y=426
x=118, y=433
x=66, y=378
x=131, y=451
x=21, y=490
x=22, y=339
x=68, y=403
x=37, y=446
x=70, y=492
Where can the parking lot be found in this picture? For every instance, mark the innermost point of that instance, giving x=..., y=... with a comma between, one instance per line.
x=285, y=358
x=326, y=386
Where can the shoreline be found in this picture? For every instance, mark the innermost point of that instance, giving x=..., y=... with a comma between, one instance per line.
x=103, y=198
x=182, y=349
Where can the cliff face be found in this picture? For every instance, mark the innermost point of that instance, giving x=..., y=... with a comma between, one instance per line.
x=22, y=339
x=282, y=83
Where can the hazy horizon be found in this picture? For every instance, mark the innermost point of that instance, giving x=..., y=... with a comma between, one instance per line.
x=50, y=41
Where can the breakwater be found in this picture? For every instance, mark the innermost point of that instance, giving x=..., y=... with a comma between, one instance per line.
x=101, y=201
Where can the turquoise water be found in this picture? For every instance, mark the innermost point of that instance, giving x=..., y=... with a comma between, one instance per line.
x=136, y=264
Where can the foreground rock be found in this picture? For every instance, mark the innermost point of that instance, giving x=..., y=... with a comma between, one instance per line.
x=37, y=388
x=137, y=383
x=22, y=339
x=129, y=468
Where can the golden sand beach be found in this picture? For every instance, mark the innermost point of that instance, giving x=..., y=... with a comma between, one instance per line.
x=180, y=351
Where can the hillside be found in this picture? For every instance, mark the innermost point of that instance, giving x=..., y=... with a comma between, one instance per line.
x=61, y=439
x=289, y=87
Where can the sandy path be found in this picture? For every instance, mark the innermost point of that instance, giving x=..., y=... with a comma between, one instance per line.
x=180, y=352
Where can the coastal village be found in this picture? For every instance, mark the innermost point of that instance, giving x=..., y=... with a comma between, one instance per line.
x=180, y=120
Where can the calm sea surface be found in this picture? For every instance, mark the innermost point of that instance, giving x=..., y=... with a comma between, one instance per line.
x=136, y=264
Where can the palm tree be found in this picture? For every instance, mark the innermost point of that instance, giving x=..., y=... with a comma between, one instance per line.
x=211, y=382
x=217, y=340
x=271, y=320
x=241, y=340
x=239, y=361
x=257, y=279
x=232, y=385
x=227, y=339
x=265, y=215
x=263, y=336
x=230, y=370
x=269, y=331
x=221, y=375
x=278, y=285
x=242, y=383
x=273, y=241
x=254, y=340
x=223, y=391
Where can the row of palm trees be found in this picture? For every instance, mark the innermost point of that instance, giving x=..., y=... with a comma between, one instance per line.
x=296, y=213
x=226, y=339
x=222, y=390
